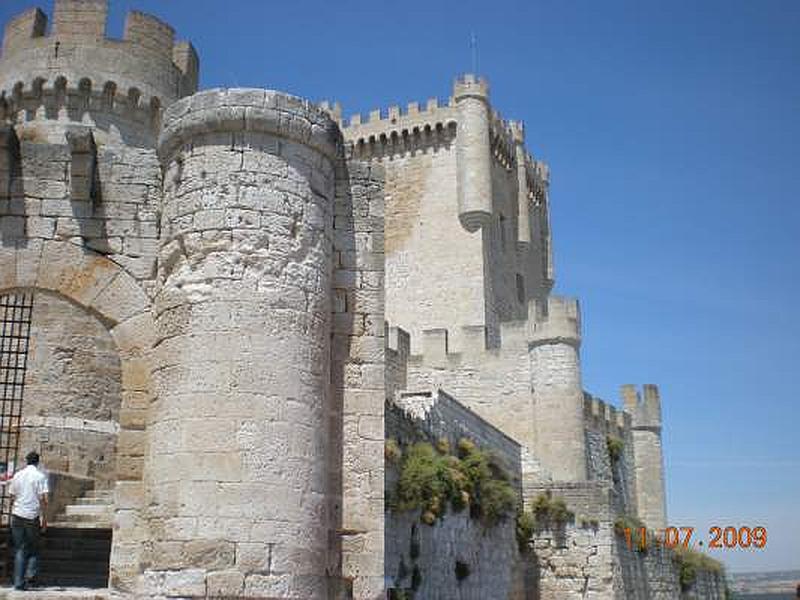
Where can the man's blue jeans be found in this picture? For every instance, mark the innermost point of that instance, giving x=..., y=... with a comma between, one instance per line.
x=25, y=534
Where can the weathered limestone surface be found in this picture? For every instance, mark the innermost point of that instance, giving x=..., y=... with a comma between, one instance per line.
x=646, y=431
x=357, y=378
x=237, y=471
x=73, y=391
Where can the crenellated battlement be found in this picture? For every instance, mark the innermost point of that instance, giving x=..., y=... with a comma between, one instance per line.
x=76, y=49
x=394, y=131
x=83, y=101
x=605, y=418
x=537, y=175
x=557, y=319
x=645, y=408
x=385, y=132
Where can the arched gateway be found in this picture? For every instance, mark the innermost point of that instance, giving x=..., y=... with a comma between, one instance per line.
x=106, y=307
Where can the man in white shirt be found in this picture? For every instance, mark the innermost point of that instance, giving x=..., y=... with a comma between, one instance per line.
x=29, y=490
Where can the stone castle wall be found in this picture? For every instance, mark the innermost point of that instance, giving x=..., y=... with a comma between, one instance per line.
x=490, y=555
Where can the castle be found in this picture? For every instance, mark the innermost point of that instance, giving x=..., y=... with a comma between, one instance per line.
x=220, y=305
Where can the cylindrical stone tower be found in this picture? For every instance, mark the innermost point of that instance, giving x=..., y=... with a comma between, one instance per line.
x=473, y=153
x=554, y=352
x=238, y=444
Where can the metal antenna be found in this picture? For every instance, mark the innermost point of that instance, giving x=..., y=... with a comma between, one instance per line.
x=474, y=47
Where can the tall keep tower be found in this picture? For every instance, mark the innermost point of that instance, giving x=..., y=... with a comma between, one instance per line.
x=74, y=74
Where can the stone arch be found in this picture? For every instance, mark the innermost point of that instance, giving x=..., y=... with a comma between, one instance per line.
x=105, y=289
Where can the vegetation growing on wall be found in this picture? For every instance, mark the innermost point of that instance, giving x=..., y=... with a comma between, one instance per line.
x=551, y=510
x=547, y=512
x=431, y=479
x=391, y=451
x=632, y=529
x=616, y=447
x=690, y=563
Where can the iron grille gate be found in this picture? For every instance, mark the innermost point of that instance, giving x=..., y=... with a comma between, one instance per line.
x=15, y=329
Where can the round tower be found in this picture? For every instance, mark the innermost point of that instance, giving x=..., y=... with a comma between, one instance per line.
x=74, y=74
x=473, y=152
x=554, y=353
x=239, y=434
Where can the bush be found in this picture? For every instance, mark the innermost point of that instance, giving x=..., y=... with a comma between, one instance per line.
x=548, y=510
x=615, y=448
x=430, y=480
x=690, y=562
x=526, y=525
x=424, y=480
x=391, y=451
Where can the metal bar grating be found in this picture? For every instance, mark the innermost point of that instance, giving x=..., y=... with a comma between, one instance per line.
x=15, y=328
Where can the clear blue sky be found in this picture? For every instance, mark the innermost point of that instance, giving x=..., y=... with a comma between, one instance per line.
x=673, y=134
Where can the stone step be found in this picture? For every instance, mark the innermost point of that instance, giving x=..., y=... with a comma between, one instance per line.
x=81, y=523
x=95, y=501
x=78, y=521
x=73, y=561
x=95, y=510
x=54, y=593
x=109, y=494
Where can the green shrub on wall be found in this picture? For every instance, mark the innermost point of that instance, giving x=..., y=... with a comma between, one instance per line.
x=547, y=512
x=431, y=478
x=691, y=562
x=615, y=448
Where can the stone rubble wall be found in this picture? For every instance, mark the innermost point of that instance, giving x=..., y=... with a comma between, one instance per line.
x=434, y=414
x=578, y=562
x=604, y=421
x=491, y=555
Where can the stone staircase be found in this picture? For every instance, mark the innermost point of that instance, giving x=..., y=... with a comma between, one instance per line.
x=74, y=552
x=93, y=510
